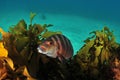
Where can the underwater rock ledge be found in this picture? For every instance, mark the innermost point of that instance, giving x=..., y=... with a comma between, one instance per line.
x=98, y=59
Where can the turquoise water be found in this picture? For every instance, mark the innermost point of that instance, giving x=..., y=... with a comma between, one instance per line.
x=75, y=18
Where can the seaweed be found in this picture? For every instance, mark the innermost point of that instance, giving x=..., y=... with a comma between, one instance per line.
x=7, y=70
x=21, y=42
x=97, y=53
x=32, y=15
x=97, y=59
x=3, y=51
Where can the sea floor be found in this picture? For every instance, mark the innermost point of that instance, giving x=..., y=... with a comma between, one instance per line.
x=76, y=28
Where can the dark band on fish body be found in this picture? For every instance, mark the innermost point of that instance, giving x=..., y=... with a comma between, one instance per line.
x=61, y=40
x=65, y=47
x=68, y=50
x=63, y=44
x=58, y=45
x=69, y=47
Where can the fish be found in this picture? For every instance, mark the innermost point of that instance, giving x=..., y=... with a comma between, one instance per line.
x=56, y=46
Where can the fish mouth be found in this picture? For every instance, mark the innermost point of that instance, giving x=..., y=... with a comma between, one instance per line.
x=40, y=50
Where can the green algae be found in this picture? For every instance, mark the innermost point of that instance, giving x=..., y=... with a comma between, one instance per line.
x=93, y=61
x=22, y=40
x=32, y=15
x=97, y=53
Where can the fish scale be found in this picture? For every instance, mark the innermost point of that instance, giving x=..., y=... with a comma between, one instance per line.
x=65, y=45
x=61, y=42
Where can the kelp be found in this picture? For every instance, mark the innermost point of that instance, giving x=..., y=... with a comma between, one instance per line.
x=22, y=39
x=49, y=33
x=32, y=15
x=3, y=51
x=21, y=42
x=97, y=53
x=97, y=59
x=99, y=46
x=7, y=70
x=20, y=28
x=6, y=65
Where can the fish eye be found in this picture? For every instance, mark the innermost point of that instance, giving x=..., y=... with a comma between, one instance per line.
x=51, y=42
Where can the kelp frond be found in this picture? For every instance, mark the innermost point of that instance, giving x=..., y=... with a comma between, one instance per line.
x=32, y=15
x=97, y=52
x=3, y=51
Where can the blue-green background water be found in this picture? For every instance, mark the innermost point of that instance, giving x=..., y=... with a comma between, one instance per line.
x=75, y=18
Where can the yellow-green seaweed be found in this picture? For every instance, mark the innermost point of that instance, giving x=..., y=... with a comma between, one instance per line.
x=19, y=29
x=32, y=15
x=92, y=62
x=49, y=33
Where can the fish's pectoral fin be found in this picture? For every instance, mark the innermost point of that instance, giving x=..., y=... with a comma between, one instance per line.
x=61, y=58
